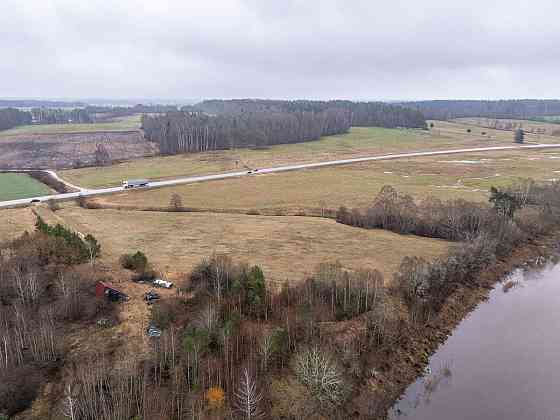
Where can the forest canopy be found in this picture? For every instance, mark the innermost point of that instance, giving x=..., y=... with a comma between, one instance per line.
x=224, y=124
x=515, y=108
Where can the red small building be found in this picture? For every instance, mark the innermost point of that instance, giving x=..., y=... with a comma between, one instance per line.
x=103, y=289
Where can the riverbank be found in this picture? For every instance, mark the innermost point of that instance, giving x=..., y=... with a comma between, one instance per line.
x=409, y=358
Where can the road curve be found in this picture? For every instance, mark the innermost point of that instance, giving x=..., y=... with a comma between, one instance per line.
x=158, y=184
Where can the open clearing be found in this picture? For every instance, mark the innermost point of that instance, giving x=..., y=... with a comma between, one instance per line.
x=15, y=185
x=467, y=176
x=128, y=123
x=359, y=142
x=288, y=248
x=52, y=151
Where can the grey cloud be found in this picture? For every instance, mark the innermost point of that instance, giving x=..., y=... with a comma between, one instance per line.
x=353, y=49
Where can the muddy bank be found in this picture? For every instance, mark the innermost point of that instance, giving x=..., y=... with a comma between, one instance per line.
x=395, y=370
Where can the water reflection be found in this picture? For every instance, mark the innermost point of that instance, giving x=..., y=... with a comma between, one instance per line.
x=502, y=361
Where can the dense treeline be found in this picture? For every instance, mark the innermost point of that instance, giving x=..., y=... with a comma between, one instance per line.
x=515, y=108
x=364, y=114
x=518, y=215
x=236, y=349
x=181, y=132
x=37, y=103
x=222, y=124
x=60, y=116
x=42, y=293
x=11, y=117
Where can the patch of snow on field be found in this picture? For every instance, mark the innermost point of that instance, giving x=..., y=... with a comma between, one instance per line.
x=467, y=162
x=448, y=187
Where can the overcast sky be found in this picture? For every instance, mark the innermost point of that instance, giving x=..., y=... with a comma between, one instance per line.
x=352, y=49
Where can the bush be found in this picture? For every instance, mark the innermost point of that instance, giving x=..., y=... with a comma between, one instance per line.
x=137, y=262
x=175, y=202
x=322, y=376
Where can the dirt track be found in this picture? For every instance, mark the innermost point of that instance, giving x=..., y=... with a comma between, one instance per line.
x=57, y=151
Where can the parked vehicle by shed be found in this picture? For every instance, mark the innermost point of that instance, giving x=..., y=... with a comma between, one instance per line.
x=163, y=283
x=153, y=331
x=135, y=183
x=151, y=296
x=109, y=292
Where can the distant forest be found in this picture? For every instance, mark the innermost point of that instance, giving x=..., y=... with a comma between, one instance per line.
x=223, y=124
x=11, y=117
x=515, y=109
x=100, y=113
x=362, y=114
x=38, y=103
x=184, y=132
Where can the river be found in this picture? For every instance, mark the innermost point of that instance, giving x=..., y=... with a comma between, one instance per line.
x=501, y=362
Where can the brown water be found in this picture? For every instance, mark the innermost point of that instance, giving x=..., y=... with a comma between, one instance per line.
x=502, y=361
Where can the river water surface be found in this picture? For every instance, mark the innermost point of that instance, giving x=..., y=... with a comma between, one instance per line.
x=501, y=362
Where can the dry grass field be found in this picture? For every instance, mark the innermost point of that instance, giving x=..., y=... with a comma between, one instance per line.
x=287, y=248
x=14, y=222
x=458, y=176
x=360, y=141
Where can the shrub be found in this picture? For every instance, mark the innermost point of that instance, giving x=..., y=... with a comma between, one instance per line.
x=215, y=397
x=137, y=262
x=322, y=376
x=175, y=202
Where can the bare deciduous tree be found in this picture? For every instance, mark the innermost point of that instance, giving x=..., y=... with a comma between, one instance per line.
x=266, y=350
x=247, y=398
x=321, y=375
x=175, y=202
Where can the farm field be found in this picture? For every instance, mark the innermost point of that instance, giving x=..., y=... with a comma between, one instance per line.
x=14, y=222
x=360, y=141
x=117, y=124
x=55, y=151
x=287, y=248
x=446, y=177
x=535, y=128
x=14, y=186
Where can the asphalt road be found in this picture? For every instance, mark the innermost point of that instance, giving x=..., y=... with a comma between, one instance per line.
x=158, y=184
